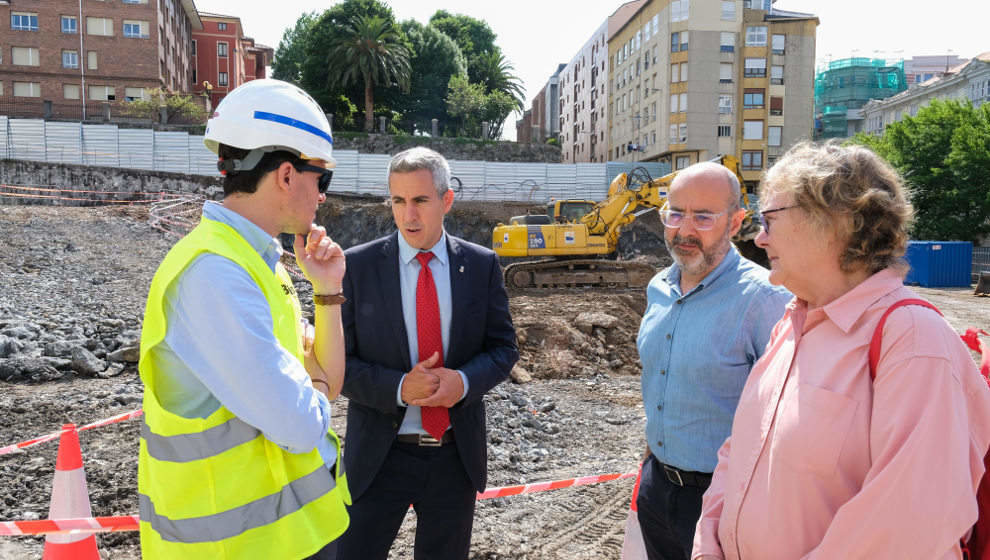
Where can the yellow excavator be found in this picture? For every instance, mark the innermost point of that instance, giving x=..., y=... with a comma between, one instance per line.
x=577, y=239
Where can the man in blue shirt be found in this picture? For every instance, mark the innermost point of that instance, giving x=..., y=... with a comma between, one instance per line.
x=708, y=319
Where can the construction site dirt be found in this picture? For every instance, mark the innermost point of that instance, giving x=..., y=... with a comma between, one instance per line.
x=73, y=283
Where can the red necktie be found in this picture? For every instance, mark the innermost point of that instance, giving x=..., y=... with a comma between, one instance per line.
x=435, y=418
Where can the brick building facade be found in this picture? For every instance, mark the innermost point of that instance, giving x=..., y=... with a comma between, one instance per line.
x=225, y=58
x=70, y=58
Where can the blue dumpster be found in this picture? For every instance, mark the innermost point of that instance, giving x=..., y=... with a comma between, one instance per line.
x=939, y=264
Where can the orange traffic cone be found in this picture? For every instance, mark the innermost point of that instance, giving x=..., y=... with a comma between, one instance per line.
x=70, y=499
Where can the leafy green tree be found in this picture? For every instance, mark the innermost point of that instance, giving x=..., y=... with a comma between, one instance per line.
x=470, y=105
x=291, y=52
x=435, y=59
x=177, y=106
x=943, y=153
x=496, y=75
x=317, y=42
x=473, y=36
x=371, y=49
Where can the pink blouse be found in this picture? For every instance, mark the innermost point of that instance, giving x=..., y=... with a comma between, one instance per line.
x=824, y=463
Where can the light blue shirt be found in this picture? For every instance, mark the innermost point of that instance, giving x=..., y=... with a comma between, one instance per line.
x=409, y=267
x=220, y=349
x=697, y=350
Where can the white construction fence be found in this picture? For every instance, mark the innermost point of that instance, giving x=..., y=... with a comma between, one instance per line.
x=356, y=173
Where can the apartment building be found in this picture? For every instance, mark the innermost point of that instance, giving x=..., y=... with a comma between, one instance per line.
x=920, y=69
x=691, y=80
x=969, y=81
x=62, y=58
x=224, y=57
x=584, y=93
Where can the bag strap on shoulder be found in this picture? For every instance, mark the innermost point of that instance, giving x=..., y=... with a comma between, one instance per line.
x=878, y=333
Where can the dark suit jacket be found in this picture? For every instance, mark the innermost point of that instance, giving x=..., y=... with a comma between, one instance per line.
x=482, y=344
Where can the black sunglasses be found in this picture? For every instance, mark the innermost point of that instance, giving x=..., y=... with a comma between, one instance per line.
x=325, y=175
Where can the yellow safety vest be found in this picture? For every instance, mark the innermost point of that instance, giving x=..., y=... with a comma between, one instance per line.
x=216, y=487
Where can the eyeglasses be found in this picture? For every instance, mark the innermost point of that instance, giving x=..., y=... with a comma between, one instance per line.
x=702, y=221
x=325, y=175
x=763, y=221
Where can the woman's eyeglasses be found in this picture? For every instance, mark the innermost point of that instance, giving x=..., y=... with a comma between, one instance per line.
x=763, y=221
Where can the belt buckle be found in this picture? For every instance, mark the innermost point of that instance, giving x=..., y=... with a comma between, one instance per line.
x=673, y=475
x=426, y=440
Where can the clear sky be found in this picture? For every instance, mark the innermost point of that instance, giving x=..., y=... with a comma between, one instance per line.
x=536, y=35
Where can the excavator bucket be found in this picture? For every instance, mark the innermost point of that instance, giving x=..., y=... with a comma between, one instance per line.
x=983, y=285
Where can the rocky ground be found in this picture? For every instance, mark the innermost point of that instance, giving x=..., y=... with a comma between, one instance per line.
x=72, y=289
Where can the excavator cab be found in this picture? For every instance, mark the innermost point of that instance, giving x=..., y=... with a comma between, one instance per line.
x=569, y=211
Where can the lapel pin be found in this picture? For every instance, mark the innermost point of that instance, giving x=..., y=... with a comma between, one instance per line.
x=461, y=269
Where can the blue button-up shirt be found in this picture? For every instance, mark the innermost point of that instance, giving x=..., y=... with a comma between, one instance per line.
x=697, y=350
x=220, y=349
x=412, y=422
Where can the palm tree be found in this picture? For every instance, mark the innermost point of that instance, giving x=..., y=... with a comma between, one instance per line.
x=495, y=73
x=371, y=49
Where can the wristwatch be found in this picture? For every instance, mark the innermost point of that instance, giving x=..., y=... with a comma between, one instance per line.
x=329, y=299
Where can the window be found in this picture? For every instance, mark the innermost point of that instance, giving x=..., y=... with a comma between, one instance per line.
x=70, y=59
x=70, y=91
x=777, y=44
x=222, y=79
x=724, y=131
x=221, y=49
x=773, y=135
x=680, y=10
x=752, y=160
x=753, y=98
x=757, y=4
x=728, y=10
x=135, y=1
x=91, y=60
x=684, y=40
x=682, y=128
x=221, y=27
x=194, y=49
x=752, y=130
x=23, y=21
x=756, y=36
x=673, y=103
x=133, y=93
x=684, y=71
x=99, y=26
x=777, y=75
x=679, y=41
x=682, y=162
x=69, y=24
x=724, y=104
x=725, y=72
x=135, y=29
x=27, y=89
x=673, y=134
x=25, y=56
x=756, y=68
x=675, y=73
x=101, y=93
x=727, y=42
x=194, y=80
x=656, y=24
x=776, y=105
x=683, y=103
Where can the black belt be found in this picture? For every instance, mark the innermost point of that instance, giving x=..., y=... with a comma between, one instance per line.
x=685, y=478
x=426, y=440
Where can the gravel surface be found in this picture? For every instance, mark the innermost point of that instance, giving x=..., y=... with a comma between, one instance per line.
x=74, y=282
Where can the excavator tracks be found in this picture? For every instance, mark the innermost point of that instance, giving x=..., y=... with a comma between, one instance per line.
x=552, y=273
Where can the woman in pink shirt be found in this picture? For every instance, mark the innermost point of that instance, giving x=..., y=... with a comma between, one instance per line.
x=822, y=461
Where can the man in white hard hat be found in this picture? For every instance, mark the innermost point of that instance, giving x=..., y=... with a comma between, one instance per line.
x=237, y=458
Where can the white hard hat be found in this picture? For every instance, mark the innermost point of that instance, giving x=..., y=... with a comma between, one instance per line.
x=268, y=115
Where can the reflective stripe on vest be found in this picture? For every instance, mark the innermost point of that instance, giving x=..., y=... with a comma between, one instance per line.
x=233, y=522
x=183, y=448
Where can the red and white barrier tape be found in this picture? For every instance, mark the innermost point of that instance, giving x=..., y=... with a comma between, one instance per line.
x=130, y=522
x=98, y=424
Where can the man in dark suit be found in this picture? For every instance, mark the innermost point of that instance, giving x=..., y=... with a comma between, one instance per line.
x=428, y=333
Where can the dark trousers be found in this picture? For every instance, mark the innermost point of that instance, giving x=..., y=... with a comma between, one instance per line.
x=668, y=513
x=434, y=481
x=328, y=552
